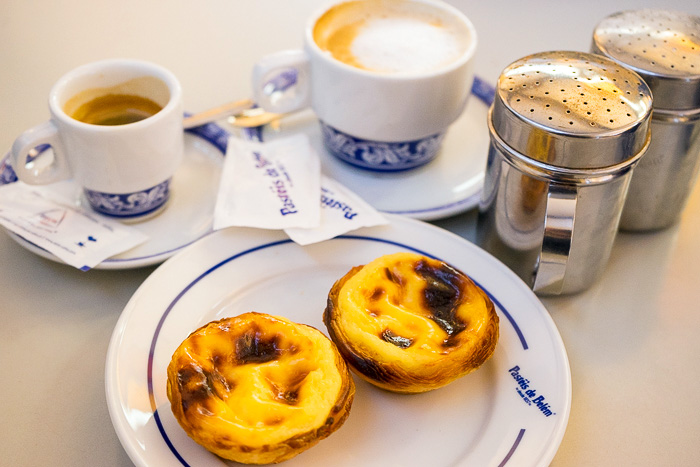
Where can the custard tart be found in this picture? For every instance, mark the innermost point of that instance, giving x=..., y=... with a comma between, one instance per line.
x=409, y=323
x=257, y=388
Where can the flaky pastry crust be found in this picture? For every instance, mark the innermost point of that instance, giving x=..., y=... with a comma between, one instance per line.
x=408, y=323
x=257, y=388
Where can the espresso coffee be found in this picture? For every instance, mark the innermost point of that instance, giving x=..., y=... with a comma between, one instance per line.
x=121, y=104
x=116, y=109
x=391, y=36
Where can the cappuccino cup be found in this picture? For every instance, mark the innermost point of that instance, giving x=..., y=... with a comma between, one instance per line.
x=116, y=130
x=385, y=78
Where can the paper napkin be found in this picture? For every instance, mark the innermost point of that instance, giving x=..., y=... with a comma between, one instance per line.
x=48, y=220
x=270, y=185
x=341, y=211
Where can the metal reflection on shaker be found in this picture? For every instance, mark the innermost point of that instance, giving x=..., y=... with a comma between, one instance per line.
x=567, y=129
x=664, y=48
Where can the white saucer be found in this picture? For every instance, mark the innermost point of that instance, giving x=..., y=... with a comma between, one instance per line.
x=448, y=185
x=512, y=411
x=188, y=215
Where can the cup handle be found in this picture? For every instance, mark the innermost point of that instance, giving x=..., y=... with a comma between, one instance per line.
x=281, y=81
x=32, y=169
x=556, y=243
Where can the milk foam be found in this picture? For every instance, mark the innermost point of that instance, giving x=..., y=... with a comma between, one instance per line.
x=405, y=45
x=392, y=36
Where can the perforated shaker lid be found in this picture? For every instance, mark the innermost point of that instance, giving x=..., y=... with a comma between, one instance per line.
x=662, y=46
x=572, y=109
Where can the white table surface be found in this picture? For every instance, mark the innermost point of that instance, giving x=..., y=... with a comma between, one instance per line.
x=632, y=339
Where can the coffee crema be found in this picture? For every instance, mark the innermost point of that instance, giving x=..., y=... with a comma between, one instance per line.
x=126, y=102
x=391, y=36
x=116, y=109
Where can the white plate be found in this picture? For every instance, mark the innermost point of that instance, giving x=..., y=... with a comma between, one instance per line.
x=188, y=215
x=483, y=419
x=446, y=186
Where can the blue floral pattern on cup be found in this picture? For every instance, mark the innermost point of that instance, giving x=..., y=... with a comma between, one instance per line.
x=378, y=155
x=129, y=204
x=7, y=173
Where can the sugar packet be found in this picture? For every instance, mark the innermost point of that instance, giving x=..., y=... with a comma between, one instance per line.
x=45, y=218
x=341, y=211
x=269, y=185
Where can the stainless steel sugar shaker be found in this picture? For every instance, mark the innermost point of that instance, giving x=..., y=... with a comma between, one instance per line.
x=567, y=129
x=664, y=48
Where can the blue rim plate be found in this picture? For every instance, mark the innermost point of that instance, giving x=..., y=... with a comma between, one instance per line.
x=512, y=411
x=188, y=215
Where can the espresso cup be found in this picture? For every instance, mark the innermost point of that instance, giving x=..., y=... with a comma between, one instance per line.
x=116, y=130
x=386, y=79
